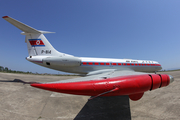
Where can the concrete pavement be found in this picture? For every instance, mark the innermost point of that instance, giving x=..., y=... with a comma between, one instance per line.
x=23, y=102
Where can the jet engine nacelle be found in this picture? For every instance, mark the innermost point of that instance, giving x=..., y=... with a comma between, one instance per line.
x=62, y=61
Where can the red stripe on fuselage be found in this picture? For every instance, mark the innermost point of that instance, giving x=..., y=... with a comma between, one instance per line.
x=125, y=64
x=113, y=63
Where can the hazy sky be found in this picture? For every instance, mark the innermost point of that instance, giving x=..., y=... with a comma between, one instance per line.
x=133, y=29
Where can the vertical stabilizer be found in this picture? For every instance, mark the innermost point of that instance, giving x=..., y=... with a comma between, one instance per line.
x=37, y=44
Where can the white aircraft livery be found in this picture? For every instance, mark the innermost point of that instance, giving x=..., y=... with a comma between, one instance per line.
x=41, y=52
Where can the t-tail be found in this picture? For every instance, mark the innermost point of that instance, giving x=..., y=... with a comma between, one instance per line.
x=41, y=52
x=37, y=43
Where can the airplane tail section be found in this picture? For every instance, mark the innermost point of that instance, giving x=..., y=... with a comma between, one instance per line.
x=36, y=42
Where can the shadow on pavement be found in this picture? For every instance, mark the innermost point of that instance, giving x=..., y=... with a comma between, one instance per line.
x=106, y=108
x=18, y=81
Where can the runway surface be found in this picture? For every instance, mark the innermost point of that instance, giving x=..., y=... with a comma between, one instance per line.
x=23, y=102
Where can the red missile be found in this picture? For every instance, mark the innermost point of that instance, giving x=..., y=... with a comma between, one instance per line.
x=134, y=86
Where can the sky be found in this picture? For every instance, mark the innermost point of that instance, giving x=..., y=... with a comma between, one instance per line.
x=133, y=29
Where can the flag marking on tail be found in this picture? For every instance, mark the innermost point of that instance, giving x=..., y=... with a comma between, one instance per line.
x=36, y=43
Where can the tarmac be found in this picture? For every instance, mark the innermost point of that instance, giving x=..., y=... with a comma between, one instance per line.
x=23, y=102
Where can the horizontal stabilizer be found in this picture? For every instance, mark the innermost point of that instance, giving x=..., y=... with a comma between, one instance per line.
x=25, y=28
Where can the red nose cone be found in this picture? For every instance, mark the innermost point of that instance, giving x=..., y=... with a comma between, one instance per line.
x=46, y=86
x=36, y=85
x=42, y=86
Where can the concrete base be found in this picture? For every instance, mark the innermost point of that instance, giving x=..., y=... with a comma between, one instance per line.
x=106, y=108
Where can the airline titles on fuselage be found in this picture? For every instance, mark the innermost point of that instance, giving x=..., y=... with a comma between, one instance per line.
x=134, y=61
